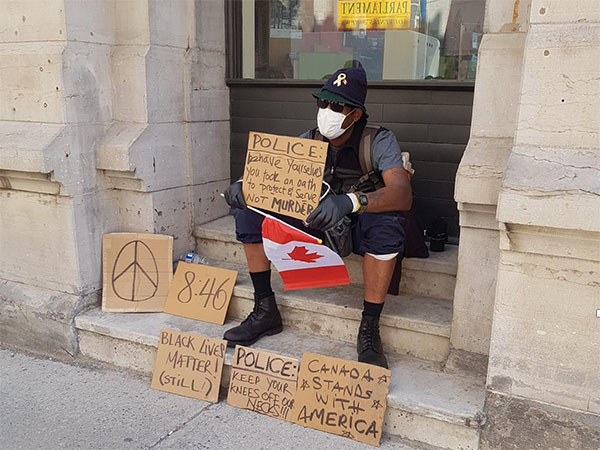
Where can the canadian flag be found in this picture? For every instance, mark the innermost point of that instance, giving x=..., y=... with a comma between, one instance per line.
x=301, y=260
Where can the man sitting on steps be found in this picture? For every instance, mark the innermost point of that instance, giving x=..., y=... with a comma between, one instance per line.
x=372, y=203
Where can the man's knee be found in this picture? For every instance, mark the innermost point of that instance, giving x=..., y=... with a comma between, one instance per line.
x=248, y=226
x=379, y=234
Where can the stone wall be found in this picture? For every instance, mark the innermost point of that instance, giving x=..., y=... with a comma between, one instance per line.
x=546, y=335
x=544, y=359
x=482, y=168
x=114, y=116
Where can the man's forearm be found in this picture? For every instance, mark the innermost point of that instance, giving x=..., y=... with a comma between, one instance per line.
x=395, y=196
x=390, y=198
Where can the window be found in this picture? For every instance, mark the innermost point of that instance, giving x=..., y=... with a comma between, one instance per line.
x=393, y=39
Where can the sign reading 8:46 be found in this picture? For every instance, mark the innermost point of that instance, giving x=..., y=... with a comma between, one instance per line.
x=201, y=292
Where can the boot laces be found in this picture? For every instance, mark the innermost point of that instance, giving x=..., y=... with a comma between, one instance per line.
x=369, y=335
x=252, y=314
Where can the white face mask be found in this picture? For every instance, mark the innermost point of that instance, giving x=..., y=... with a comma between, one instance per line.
x=330, y=123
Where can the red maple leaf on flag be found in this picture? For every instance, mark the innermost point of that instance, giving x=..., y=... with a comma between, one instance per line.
x=301, y=254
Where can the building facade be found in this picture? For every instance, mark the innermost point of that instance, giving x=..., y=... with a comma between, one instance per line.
x=115, y=116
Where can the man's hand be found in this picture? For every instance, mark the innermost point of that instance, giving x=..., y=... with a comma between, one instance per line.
x=329, y=212
x=234, y=196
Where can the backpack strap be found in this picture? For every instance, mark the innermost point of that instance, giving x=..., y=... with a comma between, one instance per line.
x=365, y=151
x=365, y=146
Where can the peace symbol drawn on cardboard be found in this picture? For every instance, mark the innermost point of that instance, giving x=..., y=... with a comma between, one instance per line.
x=148, y=275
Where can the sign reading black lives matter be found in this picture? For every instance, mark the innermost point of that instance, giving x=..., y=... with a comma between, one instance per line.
x=284, y=174
x=263, y=382
x=189, y=364
x=342, y=397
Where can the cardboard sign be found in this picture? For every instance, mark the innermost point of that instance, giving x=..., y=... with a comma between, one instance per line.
x=263, y=382
x=201, y=292
x=137, y=270
x=342, y=397
x=189, y=365
x=373, y=14
x=284, y=174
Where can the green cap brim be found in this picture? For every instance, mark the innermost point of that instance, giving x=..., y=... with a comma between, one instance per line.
x=330, y=96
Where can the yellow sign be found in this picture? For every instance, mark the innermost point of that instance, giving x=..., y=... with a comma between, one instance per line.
x=373, y=14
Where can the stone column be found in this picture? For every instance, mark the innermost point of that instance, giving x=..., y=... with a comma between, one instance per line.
x=165, y=158
x=544, y=365
x=481, y=171
x=113, y=117
x=208, y=112
x=55, y=104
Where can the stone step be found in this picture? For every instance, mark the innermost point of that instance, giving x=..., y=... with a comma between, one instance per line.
x=411, y=325
x=424, y=404
x=433, y=277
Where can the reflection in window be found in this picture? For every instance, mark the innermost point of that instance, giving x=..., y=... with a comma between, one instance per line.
x=393, y=39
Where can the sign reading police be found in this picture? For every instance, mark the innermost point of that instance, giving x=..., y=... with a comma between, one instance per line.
x=342, y=397
x=263, y=382
x=284, y=174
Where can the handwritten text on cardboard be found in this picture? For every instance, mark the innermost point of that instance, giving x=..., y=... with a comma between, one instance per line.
x=342, y=397
x=189, y=365
x=284, y=174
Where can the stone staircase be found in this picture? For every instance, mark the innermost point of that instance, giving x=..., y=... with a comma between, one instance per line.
x=432, y=277
x=426, y=404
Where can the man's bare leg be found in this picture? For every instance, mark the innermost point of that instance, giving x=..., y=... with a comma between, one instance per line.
x=256, y=258
x=377, y=275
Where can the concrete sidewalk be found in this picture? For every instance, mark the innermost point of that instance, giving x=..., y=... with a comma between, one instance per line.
x=52, y=405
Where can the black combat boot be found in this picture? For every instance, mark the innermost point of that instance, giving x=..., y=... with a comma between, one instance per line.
x=368, y=342
x=264, y=320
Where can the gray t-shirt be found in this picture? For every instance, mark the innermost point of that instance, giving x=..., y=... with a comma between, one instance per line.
x=385, y=152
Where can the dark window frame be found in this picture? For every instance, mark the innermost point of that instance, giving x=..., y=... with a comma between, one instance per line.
x=400, y=84
x=233, y=70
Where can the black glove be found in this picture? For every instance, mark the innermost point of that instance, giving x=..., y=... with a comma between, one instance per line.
x=329, y=212
x=234, y=196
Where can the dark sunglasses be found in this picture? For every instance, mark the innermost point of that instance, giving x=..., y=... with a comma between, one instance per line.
x=335, y=106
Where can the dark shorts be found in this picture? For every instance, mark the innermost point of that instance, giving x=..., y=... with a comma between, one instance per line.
x=375, y=233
